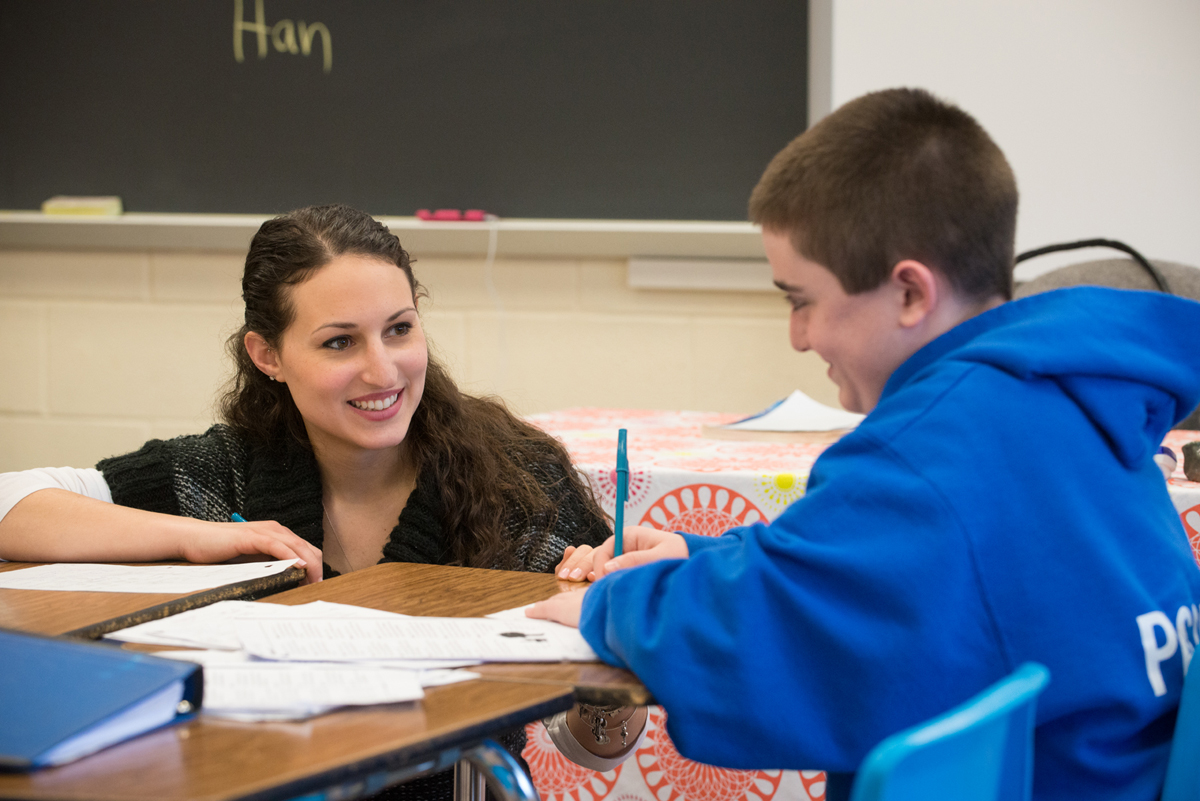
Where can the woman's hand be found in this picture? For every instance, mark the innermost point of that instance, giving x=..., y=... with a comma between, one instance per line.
x=576, y=563
x=642, y=545
x=207, y=543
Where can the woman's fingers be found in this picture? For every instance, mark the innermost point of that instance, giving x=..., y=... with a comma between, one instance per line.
x=570, y=549
x=292, y=547
x=220, y=542
x=576, y=563
x=281, y=543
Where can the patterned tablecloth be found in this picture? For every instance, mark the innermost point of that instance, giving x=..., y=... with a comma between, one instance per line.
x=682, y=481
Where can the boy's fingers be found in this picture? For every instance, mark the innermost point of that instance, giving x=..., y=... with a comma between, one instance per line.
x=628, y=559
x=563, y=608
x=665, y=549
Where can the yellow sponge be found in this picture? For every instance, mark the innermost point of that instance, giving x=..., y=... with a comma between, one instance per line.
x=108, y=206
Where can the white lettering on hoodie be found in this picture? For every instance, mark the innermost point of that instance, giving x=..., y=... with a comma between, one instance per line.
x=1182, y=635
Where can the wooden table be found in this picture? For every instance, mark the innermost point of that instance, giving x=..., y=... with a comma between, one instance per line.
x=214, y=760
x=91, y=615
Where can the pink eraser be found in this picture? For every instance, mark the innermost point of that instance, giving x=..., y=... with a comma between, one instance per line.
x=424, y=214
x=447, y=214
x=475, y=215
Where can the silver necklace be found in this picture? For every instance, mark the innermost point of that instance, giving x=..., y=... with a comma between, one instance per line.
x=337, y=540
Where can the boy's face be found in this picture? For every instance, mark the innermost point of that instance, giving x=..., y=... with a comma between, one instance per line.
x=859, y=336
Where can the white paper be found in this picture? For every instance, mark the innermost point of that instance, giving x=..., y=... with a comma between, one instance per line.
x=208, y=658
x=286, y=716
x=177, y=579
x=410, y=638
x=268, y=687
x=431, y=672
x=798, y=412
x=568, y=637
x=206, y=627
x=440, y=678
x=239, y=687
x=212, y=626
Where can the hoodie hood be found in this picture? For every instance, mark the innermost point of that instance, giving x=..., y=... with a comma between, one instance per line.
x=1133, y=379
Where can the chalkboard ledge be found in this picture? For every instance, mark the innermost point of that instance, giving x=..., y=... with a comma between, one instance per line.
x=517, y=237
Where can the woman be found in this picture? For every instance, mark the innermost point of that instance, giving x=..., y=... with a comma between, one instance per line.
x=343, y=440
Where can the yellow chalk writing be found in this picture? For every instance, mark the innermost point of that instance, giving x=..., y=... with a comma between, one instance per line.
x=286, y=43
x=306, y=39
x=282, y=35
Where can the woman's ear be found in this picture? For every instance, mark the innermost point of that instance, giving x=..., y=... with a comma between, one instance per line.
x=265, y=357
x=920, y=291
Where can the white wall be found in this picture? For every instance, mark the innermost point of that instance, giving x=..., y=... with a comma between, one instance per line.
x=106, y=349
x=1096, y=103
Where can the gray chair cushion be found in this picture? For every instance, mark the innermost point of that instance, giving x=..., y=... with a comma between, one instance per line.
x=1121, y=274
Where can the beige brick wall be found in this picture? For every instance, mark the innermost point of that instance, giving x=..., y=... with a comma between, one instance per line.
x=105, y=350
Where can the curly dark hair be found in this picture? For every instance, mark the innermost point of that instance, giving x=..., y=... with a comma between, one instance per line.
x=484, y=460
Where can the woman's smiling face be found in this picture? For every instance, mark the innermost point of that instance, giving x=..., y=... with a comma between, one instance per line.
x=354, y=356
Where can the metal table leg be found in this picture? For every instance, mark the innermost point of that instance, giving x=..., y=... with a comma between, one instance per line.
x=489, y=765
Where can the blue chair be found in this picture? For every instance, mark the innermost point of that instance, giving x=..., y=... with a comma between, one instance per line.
x=979, y=751
x=1183, y=767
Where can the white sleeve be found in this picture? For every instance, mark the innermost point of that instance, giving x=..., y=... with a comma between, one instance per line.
x=84, y=481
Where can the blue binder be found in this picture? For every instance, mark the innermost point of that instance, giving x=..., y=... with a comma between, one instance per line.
x=63, y=699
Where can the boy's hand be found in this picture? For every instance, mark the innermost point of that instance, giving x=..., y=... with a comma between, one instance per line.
x=642, y=546
x=564, y=608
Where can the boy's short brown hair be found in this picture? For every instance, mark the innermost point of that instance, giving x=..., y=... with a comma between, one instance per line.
x=895, y=175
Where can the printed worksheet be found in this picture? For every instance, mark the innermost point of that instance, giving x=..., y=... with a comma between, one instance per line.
x=175, y=579
x=212, y=626
x=411, y=638
x=300, y=690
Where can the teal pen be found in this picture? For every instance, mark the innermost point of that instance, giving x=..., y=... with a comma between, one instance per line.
x=237, y=518
x=622, y=493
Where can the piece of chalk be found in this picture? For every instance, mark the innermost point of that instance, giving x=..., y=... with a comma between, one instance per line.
x=454, y=215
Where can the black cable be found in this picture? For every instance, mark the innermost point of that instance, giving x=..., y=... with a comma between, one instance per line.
x=1159, y=278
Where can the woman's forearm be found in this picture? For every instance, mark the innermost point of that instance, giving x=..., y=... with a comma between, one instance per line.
x=54, y=525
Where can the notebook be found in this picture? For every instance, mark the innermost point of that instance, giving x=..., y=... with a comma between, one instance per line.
x=64, y=699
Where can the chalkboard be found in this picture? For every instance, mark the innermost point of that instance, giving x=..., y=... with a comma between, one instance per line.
x=612, y=109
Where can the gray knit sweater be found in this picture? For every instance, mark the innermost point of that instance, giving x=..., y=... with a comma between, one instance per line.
x=212, y=475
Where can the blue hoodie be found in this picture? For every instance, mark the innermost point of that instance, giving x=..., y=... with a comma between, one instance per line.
x=999, y=505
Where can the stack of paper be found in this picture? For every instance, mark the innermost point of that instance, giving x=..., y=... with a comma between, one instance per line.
x=273, y=662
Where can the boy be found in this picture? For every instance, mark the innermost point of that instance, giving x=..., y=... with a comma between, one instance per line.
x=999, y=503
